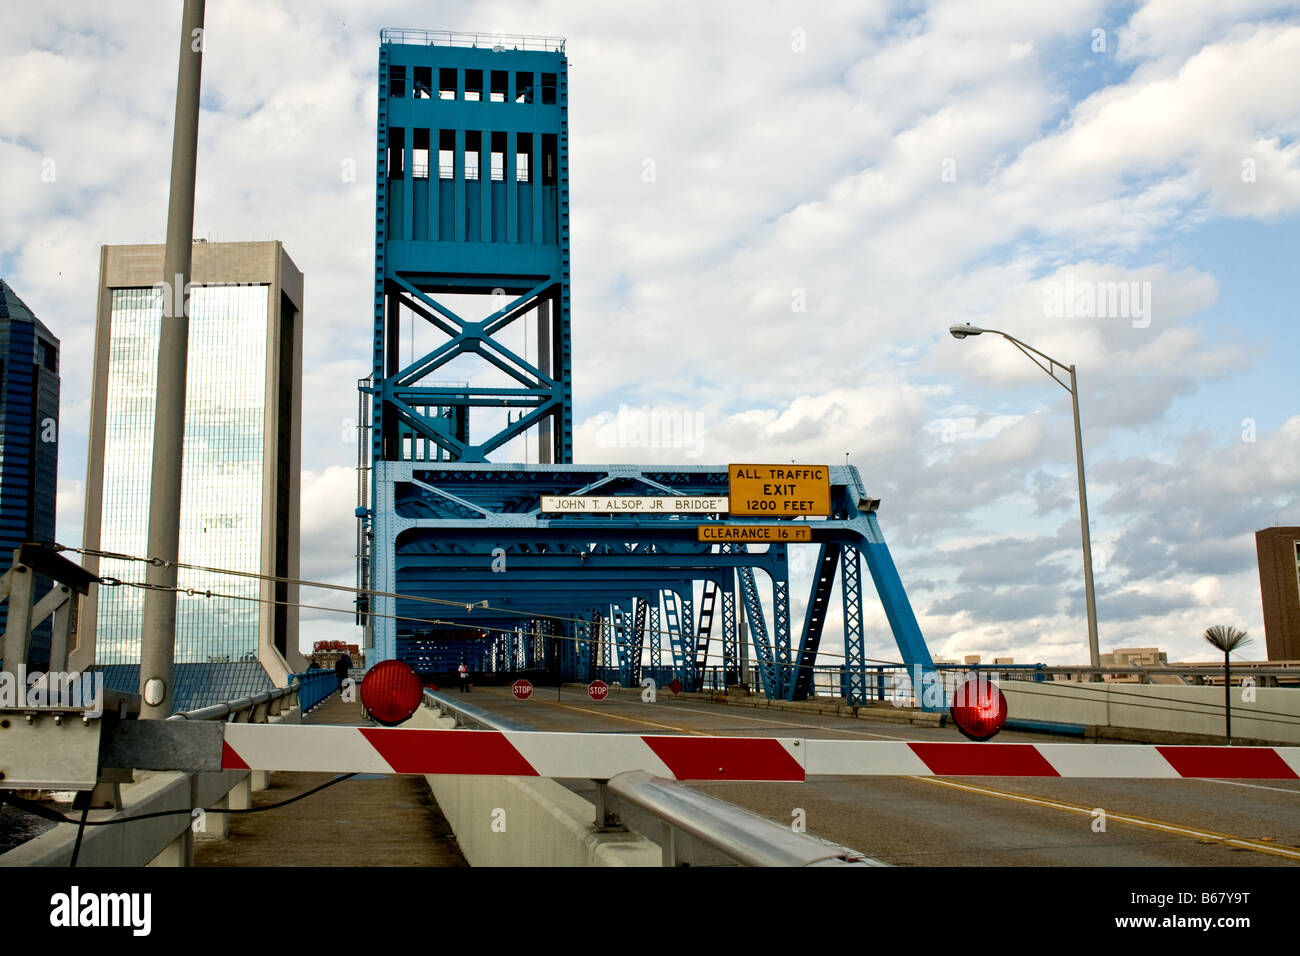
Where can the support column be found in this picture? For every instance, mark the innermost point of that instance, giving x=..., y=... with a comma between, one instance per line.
x=157, y=647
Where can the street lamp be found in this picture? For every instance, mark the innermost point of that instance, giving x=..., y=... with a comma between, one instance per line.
x=1037, y=357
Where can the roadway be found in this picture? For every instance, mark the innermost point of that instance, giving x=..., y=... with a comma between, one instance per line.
x=955, y=821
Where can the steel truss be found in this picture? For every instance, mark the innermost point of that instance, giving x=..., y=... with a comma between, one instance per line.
x=475, y=533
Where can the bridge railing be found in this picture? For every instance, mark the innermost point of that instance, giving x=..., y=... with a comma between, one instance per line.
x=314, y=686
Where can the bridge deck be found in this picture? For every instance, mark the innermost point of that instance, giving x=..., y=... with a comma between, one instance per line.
x=370, y=820
x=954, y=821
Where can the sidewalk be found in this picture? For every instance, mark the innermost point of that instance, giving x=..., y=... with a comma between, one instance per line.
x=370, y=820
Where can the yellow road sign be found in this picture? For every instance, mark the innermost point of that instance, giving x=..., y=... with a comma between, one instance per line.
x=785, y=490
x=781, y=533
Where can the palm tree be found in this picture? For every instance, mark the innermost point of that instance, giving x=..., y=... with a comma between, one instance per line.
x=1226, y=639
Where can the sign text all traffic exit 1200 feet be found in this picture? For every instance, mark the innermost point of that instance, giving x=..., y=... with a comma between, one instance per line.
x=786, y=490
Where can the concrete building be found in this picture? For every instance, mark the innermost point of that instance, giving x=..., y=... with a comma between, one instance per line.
x=29, y=443
x=1278, y=551
x=1132, y=657
x=240, y=477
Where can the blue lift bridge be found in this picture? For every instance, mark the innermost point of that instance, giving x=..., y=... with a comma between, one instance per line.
x=472, y=361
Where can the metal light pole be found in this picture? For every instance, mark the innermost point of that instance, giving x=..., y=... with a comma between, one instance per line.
x=961, y=332
x=158, y=640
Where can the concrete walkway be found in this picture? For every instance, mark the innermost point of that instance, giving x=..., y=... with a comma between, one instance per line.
x=370, y=820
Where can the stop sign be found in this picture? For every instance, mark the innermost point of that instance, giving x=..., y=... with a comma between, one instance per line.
x=598, y=690
x=522, y=689
x=979, y=708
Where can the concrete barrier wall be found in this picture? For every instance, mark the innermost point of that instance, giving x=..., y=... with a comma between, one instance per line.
x=527, y=821
x=1150, y=711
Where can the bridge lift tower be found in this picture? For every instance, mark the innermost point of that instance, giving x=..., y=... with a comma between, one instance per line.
x=472, y=253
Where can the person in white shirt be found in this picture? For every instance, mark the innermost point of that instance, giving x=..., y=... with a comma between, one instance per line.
x=463, y=673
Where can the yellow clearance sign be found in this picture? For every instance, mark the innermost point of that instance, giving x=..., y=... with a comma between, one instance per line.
x=787, y=533
x=785, y=490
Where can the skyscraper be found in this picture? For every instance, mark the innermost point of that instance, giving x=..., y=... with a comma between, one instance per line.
x=1278, y=551
x=240, y=474
x=29, y=442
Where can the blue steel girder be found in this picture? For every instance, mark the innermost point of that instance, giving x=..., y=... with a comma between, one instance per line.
x=758, y=631
x=730, y=632
x=703, y=633
x=628, y=647
x=815, y=617
x=655, y=636
x=781, y=623
x=854, y=645
x=687, y=674
x=673, y=614
x=638, y=643
x=606, y=663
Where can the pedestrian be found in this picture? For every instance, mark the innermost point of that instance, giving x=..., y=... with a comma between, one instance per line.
x=341, y=667
x=463, y=673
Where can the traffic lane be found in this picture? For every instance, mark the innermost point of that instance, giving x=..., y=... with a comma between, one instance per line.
x=911, y=821
x=1260, y=812
x=1155, y=814
x=577, y=713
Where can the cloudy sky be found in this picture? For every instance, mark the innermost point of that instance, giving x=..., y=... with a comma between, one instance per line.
x=777, y=213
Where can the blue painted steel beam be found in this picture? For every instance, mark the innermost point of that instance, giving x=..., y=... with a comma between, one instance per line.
x=815, y=618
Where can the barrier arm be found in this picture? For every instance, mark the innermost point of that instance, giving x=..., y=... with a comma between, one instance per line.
x=179, y=745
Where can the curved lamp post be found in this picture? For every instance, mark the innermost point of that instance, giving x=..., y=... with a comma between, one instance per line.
x=1051, y=368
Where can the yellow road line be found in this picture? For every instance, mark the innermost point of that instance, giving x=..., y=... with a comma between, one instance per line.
x=1226, y=838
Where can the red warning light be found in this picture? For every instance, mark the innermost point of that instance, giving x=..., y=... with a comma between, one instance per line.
x=979, y=708
x=390, y=692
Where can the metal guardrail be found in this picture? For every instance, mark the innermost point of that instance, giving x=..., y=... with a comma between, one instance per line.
x=251, y=710
x=742, y=836
x=490, y=41
x=737, y=834
x=467, y=715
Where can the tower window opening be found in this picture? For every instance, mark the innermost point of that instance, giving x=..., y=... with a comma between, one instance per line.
x=548, y=159
x=420, y=154
x=548, y=89
x=422, y=82
x=523, y=87
x=396, y=152
x=474, y=85
x=446, y=84
x=397, y=81
x=473, y=147
x=446, y=154
x=499, y=80
x=498, y=158
x=523, y=158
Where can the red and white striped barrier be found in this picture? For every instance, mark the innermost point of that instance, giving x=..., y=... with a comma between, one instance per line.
x=601, y=756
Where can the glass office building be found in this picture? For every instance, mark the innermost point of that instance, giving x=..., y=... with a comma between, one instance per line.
x=29, y=445
x=221, y=486
x=239, y=478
